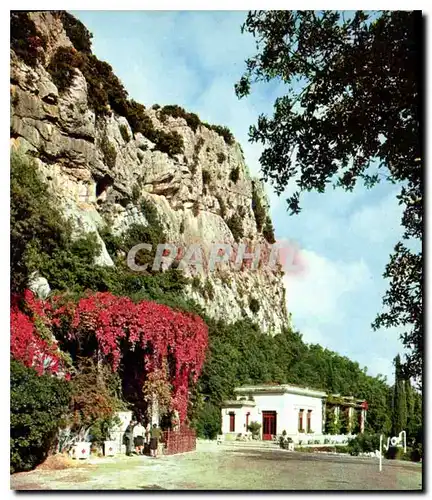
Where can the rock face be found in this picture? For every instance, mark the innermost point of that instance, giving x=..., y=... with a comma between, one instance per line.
x=196, y=193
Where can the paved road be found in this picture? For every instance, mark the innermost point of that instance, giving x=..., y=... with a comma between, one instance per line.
x=214, y=467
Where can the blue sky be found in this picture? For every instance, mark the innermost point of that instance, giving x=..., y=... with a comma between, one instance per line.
x=193, y=59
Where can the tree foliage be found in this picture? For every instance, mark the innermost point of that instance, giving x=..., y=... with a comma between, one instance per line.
x=93, y=397
x=351, y=114
x=399, y=413
x=37, y=406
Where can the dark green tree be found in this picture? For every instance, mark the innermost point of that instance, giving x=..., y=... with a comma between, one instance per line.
x=350, y=114
x=399, y=399
x=37, y=407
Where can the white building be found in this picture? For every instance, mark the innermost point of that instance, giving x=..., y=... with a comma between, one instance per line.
x=301, y=412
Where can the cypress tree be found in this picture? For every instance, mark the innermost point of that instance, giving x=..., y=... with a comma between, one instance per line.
x=399, y=400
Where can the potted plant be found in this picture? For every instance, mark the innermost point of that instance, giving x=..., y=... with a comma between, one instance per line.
x=255, y=428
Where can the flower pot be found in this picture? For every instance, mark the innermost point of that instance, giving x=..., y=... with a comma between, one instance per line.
x=110, y=448
x=81, y=450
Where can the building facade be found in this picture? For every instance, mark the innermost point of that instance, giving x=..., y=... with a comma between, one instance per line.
x=300, y=412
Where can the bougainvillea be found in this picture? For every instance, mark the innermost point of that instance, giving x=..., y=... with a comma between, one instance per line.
x=157, y=332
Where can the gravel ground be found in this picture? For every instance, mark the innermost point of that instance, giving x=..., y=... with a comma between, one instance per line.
x=214, y=467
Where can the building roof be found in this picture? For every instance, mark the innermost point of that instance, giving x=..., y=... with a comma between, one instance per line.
x=279, y=389
x=238, y=403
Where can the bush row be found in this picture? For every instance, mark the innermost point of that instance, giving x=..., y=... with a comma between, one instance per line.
x=194, y=122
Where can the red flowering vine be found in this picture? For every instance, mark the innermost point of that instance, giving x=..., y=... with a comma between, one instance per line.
x=161, y=332
x=28, y=345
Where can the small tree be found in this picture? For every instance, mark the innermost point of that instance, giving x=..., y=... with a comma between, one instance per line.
x=333, y=424
x=399, y=400
x=254, y=427
x=93, y=400
x=157, y=390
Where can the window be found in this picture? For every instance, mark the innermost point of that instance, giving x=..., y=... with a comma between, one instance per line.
x=232, y=422
x=308, y=422
x=247, y=421
x=300, y=422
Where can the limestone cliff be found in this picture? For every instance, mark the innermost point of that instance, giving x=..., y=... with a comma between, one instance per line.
x=99, y=168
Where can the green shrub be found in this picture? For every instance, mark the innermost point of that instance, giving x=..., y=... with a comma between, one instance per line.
x=208, y=290
x=35, y=221
x=27, y=43
x=208, y=421
x=109, y=152
x=124, y=132
x=37, y=407
x=255, y=428
x=332, y=425
x=417, y=453
x=222, y=205
x=268, y=231
x=42, y=239
x=195, y=208
x=221, y=157
x=136, y=193
x=195, y=157
x=100, y=431
x=62, y=67
x=235, y=174
x=394, y=453
x=156, y=107
x=258, y=208
x=196, y=283
x=176, y=111
x=344, y=422
x=236, y=227
x=77, y=33
x=167, y=142
x=254, y=305
x=138, y=120
x=364, y=443
x=95, y=397
x=171, y=143
x=206, y=177
x=223, y=132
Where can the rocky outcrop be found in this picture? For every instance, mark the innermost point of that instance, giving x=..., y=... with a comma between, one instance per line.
x=100, y=170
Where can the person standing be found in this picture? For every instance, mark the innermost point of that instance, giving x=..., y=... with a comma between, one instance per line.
x=128, y=437
x=147, y=434
x=155, y=434
x=138, y=433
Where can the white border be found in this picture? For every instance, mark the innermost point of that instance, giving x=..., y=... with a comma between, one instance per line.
x=4, y=171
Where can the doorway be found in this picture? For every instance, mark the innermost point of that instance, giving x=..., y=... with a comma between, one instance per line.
x=269, y=425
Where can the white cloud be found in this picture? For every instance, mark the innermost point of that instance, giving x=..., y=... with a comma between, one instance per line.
x=316, y=294
x=378, y=223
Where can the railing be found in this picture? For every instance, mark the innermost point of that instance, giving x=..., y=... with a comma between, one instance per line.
x=179, y=441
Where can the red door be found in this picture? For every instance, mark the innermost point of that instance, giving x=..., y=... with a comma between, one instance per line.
x=269, y=424
x=232, y=422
